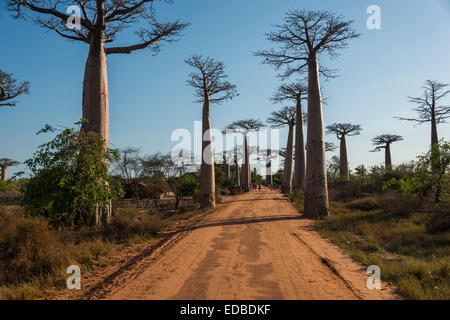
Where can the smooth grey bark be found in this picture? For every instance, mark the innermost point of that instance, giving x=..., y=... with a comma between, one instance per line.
x=387, y=156
x=300, y=155
x=95, y=90
x=238, y=174
x=269, y=179
x=286, y=185
x=316, y=193
x=343, y=166
x=4, y=173
x=246, y=180
x=207, y=178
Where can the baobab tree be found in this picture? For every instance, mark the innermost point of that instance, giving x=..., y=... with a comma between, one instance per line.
x=296, y=92
x=100, y=22
x=10, y=89
x=286, y=117
x=342, y=130
x=428, y=108
x=4, y=164
x=210, y=87
x=245, y=127
x=384, y=141
x=302, y=37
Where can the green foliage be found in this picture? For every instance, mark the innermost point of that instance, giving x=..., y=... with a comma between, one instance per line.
x=219, y=176
x=256, y=178
x=190, y=184
x=364, y=204
x=430, y=175
x=230, y=182
x=69, y=178
x=277, y=178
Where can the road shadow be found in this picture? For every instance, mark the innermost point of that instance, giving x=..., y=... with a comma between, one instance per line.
x=243, y=221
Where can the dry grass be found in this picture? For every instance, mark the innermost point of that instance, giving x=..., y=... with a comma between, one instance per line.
x=396, y=239
x=34, y=258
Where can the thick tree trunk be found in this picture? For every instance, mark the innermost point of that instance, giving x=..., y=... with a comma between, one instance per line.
x=245, y=181
x=238, y=174
x=387, y=157
x=434, y=141
x=4, y=173
x=316, y=191
x=227, y=170
x=207, y=178
x=286, y=186
x=95, y=90
x=269, y=179
x=343, y=167
x=300, y=157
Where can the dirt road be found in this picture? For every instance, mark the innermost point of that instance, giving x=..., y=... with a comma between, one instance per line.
x=254, y=247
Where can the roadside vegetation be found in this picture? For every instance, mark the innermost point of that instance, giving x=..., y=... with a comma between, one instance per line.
x=396, y=219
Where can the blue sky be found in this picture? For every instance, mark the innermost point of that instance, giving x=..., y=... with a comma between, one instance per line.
x=149, y=97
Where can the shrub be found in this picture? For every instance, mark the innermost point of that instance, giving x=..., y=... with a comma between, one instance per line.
x=364, y=204
x=440, y=218
x=29, y=249
x=400, y=204
x=69, y=178
x=131, y=224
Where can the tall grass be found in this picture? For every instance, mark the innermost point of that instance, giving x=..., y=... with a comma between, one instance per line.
x=393, y=233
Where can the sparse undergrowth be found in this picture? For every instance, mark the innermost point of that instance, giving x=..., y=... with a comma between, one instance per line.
x=34, y=257
x=409, y=244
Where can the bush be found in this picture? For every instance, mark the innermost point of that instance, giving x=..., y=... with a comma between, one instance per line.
x=364, y=204
x=69, y=178
x=29, y=249
x=440, y=218
x=131, y=224
x=400, y=204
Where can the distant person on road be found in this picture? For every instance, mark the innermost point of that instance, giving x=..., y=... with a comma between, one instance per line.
x=259, y=187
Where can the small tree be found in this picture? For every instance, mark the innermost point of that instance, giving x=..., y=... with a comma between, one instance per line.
x=210, y=87
x=5, y=163
x=70, y=180
x=296, y=92
x=244, y=127
x=10, y=89
x=302, y=37
x=131, y=169
x=177, y=176
x=100, y=23
x=286, y=117
x=342, y=130
x=384, y=141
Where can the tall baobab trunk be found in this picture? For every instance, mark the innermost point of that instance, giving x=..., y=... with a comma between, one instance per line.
x=316, y=192
x=434, y=141
x=238, y=174
x=4, y=173
x=269, y=179
x=387, y=157
x=434, y=134
x=300, y=158
x=207, y=179
x=287, y=171
x=343, y=167
x=95, y=90
x=245, y=182
x=227, y=171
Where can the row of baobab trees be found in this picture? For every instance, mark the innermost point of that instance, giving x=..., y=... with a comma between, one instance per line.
x=299, y=40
